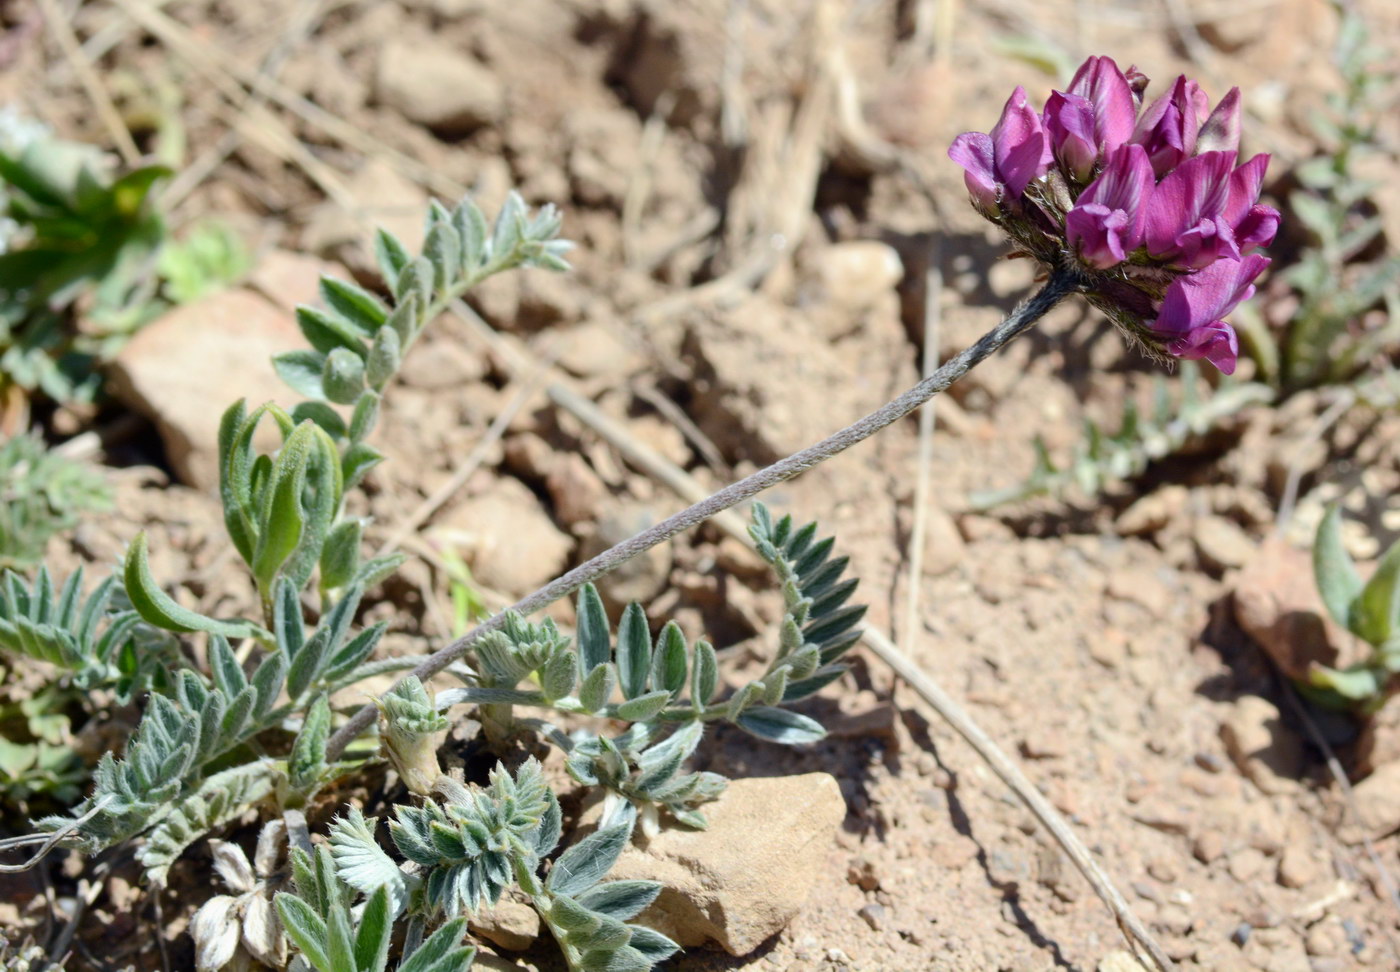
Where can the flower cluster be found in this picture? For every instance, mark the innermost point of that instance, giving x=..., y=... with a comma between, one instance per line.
x=1152, y=209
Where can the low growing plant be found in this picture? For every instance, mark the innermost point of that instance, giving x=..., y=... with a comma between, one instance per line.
x=1076, y=190
x=1369, y=609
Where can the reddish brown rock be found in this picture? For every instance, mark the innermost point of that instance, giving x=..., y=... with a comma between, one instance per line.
x=182, y=370
x=1277, y=604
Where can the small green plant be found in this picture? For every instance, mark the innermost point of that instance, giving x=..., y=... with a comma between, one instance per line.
x=41, y=494
x=1102, y=459
x=78, y=235
x=1370, y=610
x=251, y=727
x=1336, y=282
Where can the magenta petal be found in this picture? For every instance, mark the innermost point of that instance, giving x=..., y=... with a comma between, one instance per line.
x=1258, y=227
x=1097, y=234
x=1107, y=89
x=1216, y=342
x=1108, y=219
x=1206, y=296
x=973, y=151
x=1069, y=122
x=1169, y=126
x=1020, y=147
x=1221, y=131
x=1195, y=191
x=1244, y=187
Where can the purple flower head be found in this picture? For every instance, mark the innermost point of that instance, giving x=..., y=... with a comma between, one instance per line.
x=1152, y=216
x=1016, y=152
x=1099, y=82
x=1205, y=210
x=1191, y=321
x=1110, y=217
x=1169, y=126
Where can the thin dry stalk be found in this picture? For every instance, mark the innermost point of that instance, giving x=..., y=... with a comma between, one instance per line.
x=97, y=93
x=687, y=487
x=933, y=319
x=1139, y=938
x=1060, y=285
x=304, y=19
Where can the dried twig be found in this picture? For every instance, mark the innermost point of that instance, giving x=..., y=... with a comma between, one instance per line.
x=923, y=476
x=97, y=93
x=304, y=19
x=211, y=61
x=1133, y=929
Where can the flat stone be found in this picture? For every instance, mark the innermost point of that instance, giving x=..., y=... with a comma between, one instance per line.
x=507, y=537
x=186, y=367
x=1263, y=748
x=742, y=880
x=438, y=87
x=512, y=924
x=1277, y=604
x=1378, y=800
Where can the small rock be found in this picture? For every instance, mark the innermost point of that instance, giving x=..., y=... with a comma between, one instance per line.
x=1247, y=863
x=944, y=547
x=1327, y=938
x=1222, y=544
x=855, y=275
x=1378, y=800
x=1277, y=604
x=575, y=489
x=642, y=577
x=748, y=874
x=1296, y=867
x=436, y=86
x=183, y=369
x=873, y=915
x=1208, y=846
x=529, y=456
x=596, y=349
x=1262, y=747
x=512, y=924
x=511, y=543
x=1120, y=961
x=1153, y=511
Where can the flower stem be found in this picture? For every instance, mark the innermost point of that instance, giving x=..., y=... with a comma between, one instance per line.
x=1060, y=285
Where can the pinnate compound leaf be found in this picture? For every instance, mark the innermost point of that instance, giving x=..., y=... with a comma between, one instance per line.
x=443, y=951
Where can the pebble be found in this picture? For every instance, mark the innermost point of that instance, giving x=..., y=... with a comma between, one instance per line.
x=1262, y=747
x=873, y=915
x=1296, y=867
x=438, y=86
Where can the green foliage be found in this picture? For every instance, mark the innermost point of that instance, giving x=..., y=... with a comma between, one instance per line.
x=471, y=845
x=73, y=229
x=42, y=493
x=1335, y=279
x=1369, y=609
x=589, y=919
x=321, y=925
x=648, y=775
x=1101, y=458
